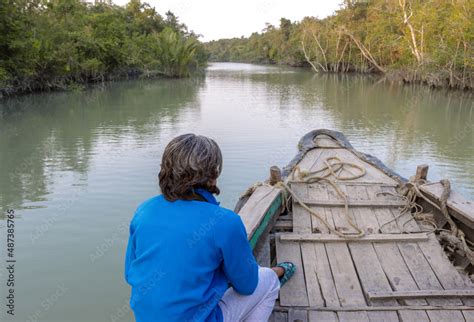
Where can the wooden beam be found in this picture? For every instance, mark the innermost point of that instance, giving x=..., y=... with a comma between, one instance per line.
x=275, y=175
x=459, y=207
x=420, y=294
x=421, y=172
x=377, y=308
x=260, y=211
x=283, y=225
x=374, y=238
x=354, y=203
x=355, y=183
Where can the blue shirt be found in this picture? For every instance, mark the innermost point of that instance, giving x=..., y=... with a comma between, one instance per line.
x=182, y=256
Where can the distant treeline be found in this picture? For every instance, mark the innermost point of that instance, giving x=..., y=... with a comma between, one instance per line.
x=55, y=44
x=428, y=41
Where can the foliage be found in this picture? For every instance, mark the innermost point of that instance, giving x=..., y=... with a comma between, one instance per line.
x=419, y=40
x=50, y=44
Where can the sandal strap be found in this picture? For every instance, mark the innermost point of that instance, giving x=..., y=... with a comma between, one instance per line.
x=289, y=268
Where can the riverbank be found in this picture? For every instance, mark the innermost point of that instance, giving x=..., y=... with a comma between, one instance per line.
x=68, y=45
x=412, y=42
x=84, y=83
x=435, y=80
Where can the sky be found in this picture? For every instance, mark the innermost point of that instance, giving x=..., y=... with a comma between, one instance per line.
x=216, y=19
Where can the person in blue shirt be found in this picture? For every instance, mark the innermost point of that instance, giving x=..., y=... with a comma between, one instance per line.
x=188, y=259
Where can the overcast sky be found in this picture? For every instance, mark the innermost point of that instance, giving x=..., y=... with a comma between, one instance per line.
x=216, y=19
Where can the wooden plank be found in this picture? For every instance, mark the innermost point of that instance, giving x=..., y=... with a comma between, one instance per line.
x=370, y=272
x=463, y=209
x=386, y=220
x=293, y=293
x=392, y=260
x=385, y=316
x=324, y=154
x=468, y=315
x=380, y=308
x=317, y=224
x=359, y=191
x=309, y=161
x=354, y=203
x=318, y=316
x=421, y=271
x=322, y=269
x=368, y=267
x=396, y=270
x=364, y=217
x=381, y=295
x=310, y=261
x=333, y=195
x=413, y=315
x=445, y=316
x=344, y=274
x=372, y=175
x=254, y=210
x=360, y=316
x=341, y=221
x=301, y=217
x=446, y=273
x=382, y=192
x=319, y=191
x=297, y=315
x=374, y=238
x=284, y=225
x=366, y=220
x=406, y=222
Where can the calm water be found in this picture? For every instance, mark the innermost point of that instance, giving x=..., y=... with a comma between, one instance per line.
x=75, y=165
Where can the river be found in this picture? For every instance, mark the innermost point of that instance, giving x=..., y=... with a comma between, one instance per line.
x=75, y=165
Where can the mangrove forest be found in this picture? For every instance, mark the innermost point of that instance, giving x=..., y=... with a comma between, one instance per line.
x=58, y=44
x=428, y=41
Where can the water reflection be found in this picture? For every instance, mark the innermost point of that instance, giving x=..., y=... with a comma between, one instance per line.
x=75, y=165
x=42, y=135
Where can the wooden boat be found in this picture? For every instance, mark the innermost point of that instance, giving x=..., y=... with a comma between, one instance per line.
x=368, y=254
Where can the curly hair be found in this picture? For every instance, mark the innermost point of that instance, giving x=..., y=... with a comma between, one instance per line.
x=189, y=162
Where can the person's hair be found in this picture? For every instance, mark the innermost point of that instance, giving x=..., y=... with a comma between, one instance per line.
x=189, y=162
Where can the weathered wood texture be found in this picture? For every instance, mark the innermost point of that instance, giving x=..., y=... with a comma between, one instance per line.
x=419, y=294
x=421, y=172
x=395, y=272
x=254, y=210
x=294, y=293
x=373, y=238
x=461, y=208
x=260, y=213
x=275, y=175
x=314, y=160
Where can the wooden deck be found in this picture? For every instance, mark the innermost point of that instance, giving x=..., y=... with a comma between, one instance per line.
x=396, y=272
x=337, y=280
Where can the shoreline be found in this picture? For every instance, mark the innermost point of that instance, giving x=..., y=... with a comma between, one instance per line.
x=64, y=85
x=400, y=76
x=433, y=80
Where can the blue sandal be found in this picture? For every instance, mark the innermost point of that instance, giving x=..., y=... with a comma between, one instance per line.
x=289, y=268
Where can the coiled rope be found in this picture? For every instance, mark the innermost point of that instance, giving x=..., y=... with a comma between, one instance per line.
x=325, y=174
